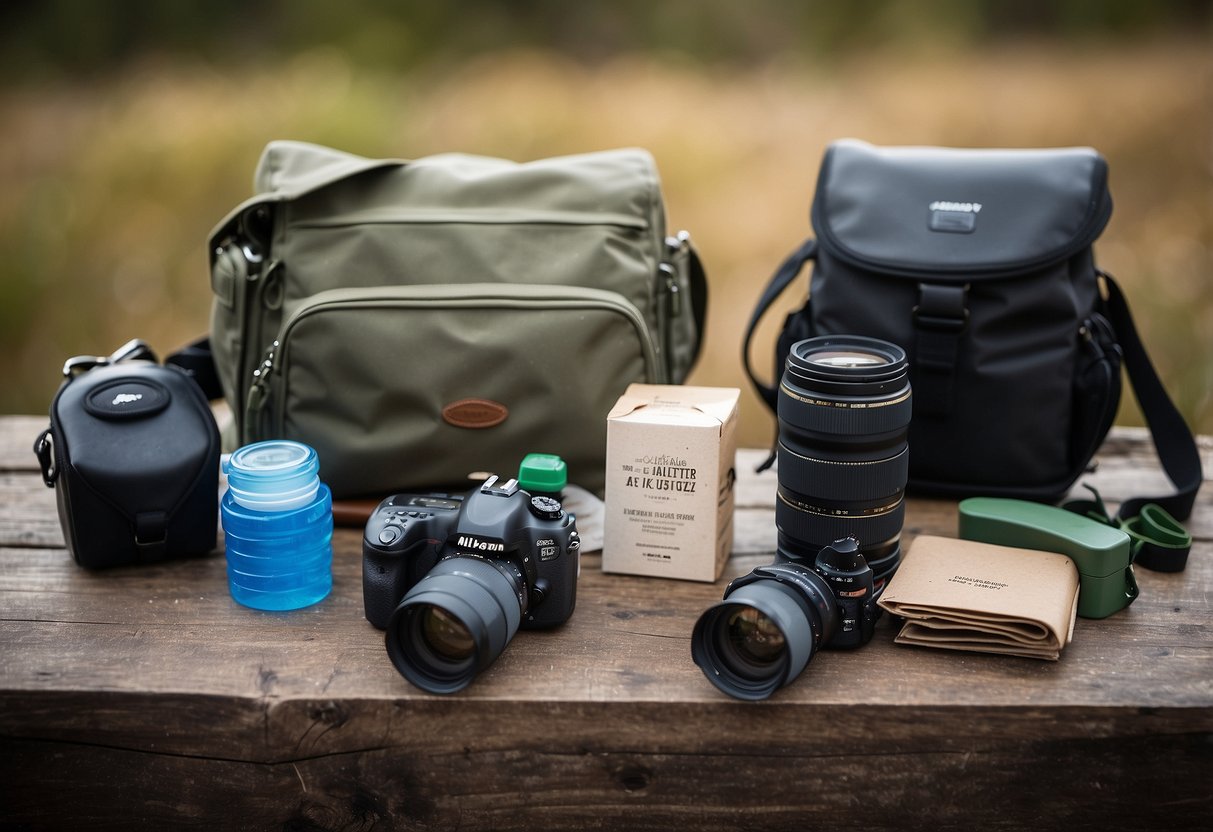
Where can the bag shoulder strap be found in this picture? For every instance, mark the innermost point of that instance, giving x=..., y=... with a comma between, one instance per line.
x=196, y=359
x=1172, y=438
x=698, y=278
x=779, y=281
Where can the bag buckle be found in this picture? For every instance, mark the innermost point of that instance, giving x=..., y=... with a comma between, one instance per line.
x=941, y=308
x=133, y=350
x=941, y=319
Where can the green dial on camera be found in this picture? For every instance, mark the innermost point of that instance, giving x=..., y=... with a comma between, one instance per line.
x=543, y=474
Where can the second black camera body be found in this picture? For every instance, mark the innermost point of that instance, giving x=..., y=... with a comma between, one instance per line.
x=451, y=578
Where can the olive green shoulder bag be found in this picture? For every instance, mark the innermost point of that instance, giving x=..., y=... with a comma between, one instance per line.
x=415, y=321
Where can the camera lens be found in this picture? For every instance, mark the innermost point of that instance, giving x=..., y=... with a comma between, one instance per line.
x=455, y=622
x=844, y=411
x=444, y=634
x=765, y=631
x=753, y=638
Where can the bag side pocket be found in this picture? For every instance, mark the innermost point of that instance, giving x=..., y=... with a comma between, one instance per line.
x=1097, y=388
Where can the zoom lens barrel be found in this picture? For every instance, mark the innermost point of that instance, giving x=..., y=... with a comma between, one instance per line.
x=844, y=412
x=455, y=622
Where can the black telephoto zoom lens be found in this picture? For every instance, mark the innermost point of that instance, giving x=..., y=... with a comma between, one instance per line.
x=455, y=622
x=844, y=411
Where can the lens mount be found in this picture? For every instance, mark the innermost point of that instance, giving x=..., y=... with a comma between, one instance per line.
x=455, y=622
x=764, y=632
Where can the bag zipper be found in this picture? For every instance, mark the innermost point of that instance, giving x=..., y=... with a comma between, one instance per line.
x=669, y=295
x=471, y=296
x=259, y=270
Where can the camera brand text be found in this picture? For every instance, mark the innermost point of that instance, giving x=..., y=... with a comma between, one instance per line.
x=477, y=545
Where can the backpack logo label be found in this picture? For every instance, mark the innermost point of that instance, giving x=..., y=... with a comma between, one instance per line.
x=953, y=217
x=126, y=398
x=963, y=207
x=475, y=414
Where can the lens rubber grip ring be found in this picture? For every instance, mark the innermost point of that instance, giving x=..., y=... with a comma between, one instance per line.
x=821, y=529
x=845, y=480
x=802, y=410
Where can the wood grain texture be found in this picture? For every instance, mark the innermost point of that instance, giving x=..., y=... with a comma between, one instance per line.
x=17, y=435
x=155, y=701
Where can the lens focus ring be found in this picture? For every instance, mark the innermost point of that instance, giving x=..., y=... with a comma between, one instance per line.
x=848, y=480
x=804, y=521
x=802, y=410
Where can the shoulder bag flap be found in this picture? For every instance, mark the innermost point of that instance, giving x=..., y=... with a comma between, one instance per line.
x=611, y=187
x=288, y=170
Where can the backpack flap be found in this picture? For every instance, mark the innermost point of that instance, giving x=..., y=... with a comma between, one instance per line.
x=978, y=263
x=956, y=215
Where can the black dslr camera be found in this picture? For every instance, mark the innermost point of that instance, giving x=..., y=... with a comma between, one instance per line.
x=774, y=619
x=452, y=578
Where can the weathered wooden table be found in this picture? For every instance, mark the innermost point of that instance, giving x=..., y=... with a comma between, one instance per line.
x=146, y=698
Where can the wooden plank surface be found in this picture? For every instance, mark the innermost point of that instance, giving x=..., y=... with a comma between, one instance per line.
x=155, y=700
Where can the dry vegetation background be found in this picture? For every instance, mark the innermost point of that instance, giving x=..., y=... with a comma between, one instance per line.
x=113, y=174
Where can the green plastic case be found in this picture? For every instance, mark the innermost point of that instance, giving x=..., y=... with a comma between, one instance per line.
x=1103, y=554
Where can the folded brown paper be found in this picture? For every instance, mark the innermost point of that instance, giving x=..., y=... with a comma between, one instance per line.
x=963, y=595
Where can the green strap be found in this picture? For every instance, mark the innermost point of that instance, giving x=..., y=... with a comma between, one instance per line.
x=1160, y=542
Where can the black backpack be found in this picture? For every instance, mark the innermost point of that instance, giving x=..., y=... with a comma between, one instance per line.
x=979, y=264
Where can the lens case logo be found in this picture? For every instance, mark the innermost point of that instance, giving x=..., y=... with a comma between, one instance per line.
x=127, y=398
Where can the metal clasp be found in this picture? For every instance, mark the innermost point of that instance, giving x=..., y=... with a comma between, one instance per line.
x=133, y=350
x=678, y=243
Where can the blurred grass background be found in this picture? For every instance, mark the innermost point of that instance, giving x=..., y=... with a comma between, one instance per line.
x=128, y=129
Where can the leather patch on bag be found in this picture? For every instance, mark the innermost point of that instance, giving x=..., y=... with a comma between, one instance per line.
x=475, y=413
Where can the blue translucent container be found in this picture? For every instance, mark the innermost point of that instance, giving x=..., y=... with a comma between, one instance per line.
x=277, y=526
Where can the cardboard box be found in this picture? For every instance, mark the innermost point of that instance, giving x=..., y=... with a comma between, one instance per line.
x=669, y=481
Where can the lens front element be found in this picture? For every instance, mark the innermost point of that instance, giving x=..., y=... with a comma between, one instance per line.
x=752, y=637
x=846, y=358
x=445, y=634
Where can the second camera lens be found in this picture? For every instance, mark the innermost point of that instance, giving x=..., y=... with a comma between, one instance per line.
x=765, y=631
x=844, y=412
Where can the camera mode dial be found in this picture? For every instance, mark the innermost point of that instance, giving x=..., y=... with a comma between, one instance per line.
x=546, y=508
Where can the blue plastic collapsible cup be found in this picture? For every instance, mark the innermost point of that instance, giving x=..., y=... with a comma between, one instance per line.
x=277, y=526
